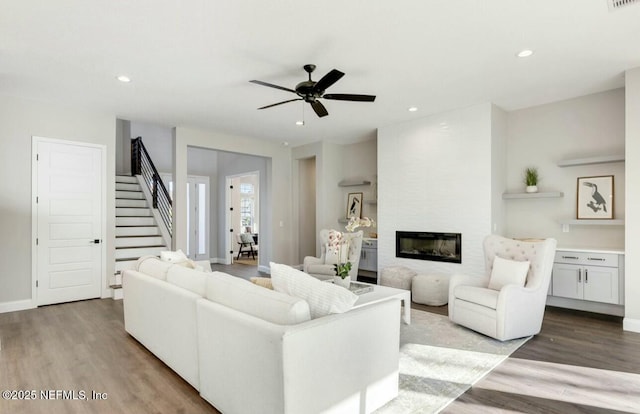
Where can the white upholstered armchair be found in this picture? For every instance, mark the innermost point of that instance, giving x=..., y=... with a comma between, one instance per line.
x=322, y=267
x=498, y=304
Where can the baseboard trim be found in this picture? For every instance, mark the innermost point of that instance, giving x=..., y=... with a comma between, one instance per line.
x=17, y=305
x=632, y=325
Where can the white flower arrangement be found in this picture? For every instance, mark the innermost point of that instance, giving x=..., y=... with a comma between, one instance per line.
x=355, y=222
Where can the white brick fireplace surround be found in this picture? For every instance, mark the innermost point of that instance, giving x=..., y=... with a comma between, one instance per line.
x=443, y=173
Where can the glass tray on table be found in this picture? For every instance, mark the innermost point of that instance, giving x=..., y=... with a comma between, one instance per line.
x=357, y=287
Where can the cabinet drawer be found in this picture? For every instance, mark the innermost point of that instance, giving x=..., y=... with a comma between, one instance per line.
x=587, y=258
x=369, y=243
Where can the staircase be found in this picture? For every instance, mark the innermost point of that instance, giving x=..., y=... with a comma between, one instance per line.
x=137, y=233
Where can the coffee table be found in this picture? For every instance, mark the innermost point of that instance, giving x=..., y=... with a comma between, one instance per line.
x=380, y=293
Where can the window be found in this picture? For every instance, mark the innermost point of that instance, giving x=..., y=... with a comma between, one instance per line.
x=246, y=212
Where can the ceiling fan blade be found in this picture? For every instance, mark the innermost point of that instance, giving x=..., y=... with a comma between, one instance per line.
x=271, y=85
x=280, y=103
x=319, y=109
x=327, y=80
x=350, y=97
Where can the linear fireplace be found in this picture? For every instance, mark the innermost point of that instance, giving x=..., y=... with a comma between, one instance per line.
x=441, y=247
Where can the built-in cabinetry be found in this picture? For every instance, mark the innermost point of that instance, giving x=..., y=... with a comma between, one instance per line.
x=590, y=280
x=369, y=255
x=368, y=267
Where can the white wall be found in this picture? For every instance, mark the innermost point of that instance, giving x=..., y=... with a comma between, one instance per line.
x=205, y=163
x=333, y=163
x=435, y=174
x=20, y=119
x=632, y=219
x=541, y=136
x=158, y=140
x=276, y=225
x=306, y=208
x=498, y=169
x=360, y=161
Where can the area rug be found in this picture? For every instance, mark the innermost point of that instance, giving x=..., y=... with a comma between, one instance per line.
x=247, y=261
x=440, y=360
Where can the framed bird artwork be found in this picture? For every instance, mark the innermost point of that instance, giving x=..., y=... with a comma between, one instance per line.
x=354, y=205
x=595, y=197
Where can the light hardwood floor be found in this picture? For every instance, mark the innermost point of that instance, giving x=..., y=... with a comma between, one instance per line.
x=580, y=363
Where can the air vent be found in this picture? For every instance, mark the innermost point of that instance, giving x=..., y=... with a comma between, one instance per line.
x=618, y=4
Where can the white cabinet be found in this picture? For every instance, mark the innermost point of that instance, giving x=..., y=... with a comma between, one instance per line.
x=597, y=284
x=591, y=276
x=369, y=255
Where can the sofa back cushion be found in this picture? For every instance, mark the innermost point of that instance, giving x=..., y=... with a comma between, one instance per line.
x=154, y=267
x=190, y=279
x=244, y=296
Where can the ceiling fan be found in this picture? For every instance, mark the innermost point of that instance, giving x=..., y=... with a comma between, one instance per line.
x=310, y=91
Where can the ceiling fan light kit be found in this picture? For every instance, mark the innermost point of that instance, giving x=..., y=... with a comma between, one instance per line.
x=311, y=91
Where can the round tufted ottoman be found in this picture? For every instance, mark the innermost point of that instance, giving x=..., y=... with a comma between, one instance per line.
x=432, y=289
x=397, y=277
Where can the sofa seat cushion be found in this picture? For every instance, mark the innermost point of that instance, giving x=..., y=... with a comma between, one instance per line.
x=323, y=298
x=154, y=267
x=481, y=296
x=266, y=304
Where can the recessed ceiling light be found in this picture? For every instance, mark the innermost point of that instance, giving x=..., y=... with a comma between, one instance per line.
x=299, y=123
x=525, y=53
x=285, y=144
x=413, y=109
x=123, y=78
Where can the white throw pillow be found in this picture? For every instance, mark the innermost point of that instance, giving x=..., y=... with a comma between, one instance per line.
x=244, y=296
x=323, y=298
x=173, y=257
x=337, y=253
x=507, y=272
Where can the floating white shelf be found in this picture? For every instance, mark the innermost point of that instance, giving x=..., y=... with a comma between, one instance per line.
x=353, y=183
x=548, y=194
x=603, y=159
x=602, y=222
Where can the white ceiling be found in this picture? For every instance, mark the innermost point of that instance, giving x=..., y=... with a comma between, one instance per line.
x=191, y=60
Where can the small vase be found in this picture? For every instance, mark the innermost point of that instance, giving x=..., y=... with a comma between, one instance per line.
x=337, y=280
x=532, y=189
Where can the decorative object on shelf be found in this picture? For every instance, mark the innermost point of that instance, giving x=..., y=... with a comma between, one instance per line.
x=354, y=205
x=595, y=197
x=355, y=222
x=531, y=178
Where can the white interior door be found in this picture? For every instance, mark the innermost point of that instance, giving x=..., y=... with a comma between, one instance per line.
x=69, y=214
x=197, y=214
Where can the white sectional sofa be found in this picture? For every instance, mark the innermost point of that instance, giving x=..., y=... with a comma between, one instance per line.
x=248, y=349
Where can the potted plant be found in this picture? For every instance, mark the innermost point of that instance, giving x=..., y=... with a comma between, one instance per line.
x=531, y=178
